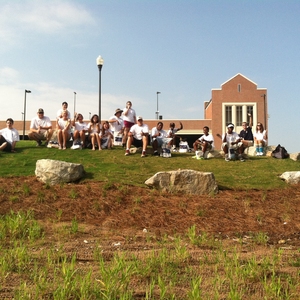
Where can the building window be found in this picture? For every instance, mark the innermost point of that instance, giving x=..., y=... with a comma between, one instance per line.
x=228, y=114
x=239, y=116
x=239, y=88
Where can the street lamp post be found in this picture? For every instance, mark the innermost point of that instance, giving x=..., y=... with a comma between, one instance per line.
x=157, y=111
x=24, y=120
x=99, y=62
x=74, y=103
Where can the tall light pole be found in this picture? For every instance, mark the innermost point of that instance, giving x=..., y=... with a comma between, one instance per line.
x=157, y=111
x=26, y=91
x=99, y=62
x=74, y=103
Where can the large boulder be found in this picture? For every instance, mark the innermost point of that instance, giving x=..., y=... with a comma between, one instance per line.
x=55, y=171
x=291, y=177
x=295, y=156
x=186, y=181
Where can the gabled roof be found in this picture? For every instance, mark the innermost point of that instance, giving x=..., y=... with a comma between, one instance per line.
x=238, y=74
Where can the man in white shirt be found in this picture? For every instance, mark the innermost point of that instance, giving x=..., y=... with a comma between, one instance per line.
x=158, y=135
x=205, y=142
x=40, y=128
x=9, y=136
x=230, y=143
x=138, y=136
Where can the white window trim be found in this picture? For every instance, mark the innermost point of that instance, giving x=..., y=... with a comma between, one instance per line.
x=233, y=104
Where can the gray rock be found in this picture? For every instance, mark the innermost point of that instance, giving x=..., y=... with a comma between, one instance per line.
x=295, y=156
x=187, y=181
x=291, y=177
x=55, y=171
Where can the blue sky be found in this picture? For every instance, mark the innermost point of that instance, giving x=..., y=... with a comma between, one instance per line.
x=181, y=48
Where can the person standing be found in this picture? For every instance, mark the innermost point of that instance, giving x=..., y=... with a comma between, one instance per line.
x=9, y=136
x=129, y=117
x=138, y=136
x=64, y=107
x=40, y=128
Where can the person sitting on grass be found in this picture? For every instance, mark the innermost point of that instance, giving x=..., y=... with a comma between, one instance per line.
x=246, y=135
x=158, y=135
x=80, y=129
x=230, y=143
x=9, y=136
x=138, y=136
x=260, y=139
x=172, y=134
x=106, y=136
x=63, y=126
x=94, y=130
x=40, y=128
x=204, y=143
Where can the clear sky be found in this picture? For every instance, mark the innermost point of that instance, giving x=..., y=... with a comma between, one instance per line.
x=183, y=49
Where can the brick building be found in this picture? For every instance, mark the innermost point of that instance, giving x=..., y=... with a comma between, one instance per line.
x=237, y=97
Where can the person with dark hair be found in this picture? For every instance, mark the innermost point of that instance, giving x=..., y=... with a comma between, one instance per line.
x=246, y=134
x=260, y=139
x=80, y=130
x=94, y=130
x=157, y=136
x=138, y=136
x=64, y=107
x=106, y=136
x=204, y=143
x=9, y=136
x=172, y=134
x=129, y=117
x=40, y=128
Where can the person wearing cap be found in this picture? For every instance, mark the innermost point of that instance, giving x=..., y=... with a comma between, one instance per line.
x=157, y=136
x=129, y=117
x=138, y=136
x=9, y=136
x=40, y=128
x=117, y=127
x=230, y=143
x=64, y=107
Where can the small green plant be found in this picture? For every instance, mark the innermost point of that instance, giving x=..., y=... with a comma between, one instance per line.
x=260, y=238
x=40, y=197
x=74, y=226
x=26, y=189
x=14, y=198
x=73, y=194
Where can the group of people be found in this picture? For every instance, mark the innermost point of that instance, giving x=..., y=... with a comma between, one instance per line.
x=125, y=129
x=233, y=142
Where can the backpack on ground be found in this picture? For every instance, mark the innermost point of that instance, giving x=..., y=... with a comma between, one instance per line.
x=280, y=152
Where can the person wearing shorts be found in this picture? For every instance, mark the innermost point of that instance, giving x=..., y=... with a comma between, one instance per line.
x=129, y=118
x=138, y=136
x=40, y=128
x=157, y=135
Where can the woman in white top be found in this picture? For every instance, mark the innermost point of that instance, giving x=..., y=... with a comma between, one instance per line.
x=94, y=130
x=260, y=139
x=106, y=136
x=80, y=129
x=63, y=126
x=129, y=119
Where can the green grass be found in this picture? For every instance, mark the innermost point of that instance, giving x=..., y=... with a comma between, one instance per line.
x=113, y=166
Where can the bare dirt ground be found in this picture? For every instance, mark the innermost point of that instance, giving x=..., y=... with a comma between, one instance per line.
x=119, y=215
